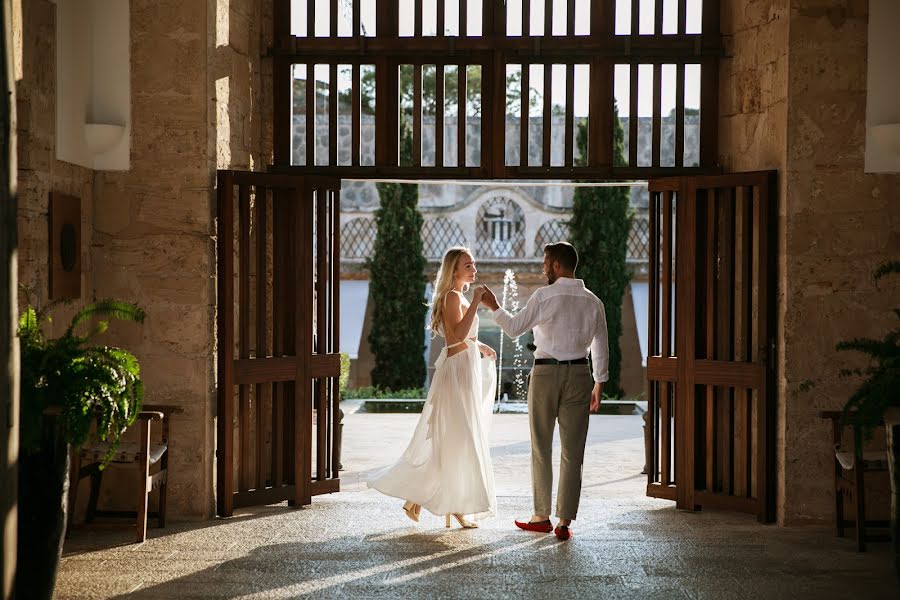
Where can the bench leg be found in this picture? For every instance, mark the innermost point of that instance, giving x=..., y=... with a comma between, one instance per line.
x=74, y=472
x=145, y=482
x=860, y=509
x=96, y=480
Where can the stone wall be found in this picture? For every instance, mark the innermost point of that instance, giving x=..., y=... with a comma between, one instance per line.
x=39, y=171
x=793, y=99
x=839, y=224
x=149, y=232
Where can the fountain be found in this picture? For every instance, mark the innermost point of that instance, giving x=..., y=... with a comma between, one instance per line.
x=510, y=301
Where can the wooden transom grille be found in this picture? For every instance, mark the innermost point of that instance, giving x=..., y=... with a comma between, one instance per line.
x=495, y=88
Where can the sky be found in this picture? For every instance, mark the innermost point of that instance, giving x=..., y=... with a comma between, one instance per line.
x=514, y=20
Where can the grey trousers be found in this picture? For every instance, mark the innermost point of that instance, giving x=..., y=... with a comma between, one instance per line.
x=558, y=393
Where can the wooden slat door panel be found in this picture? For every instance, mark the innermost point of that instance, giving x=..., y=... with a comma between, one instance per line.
x=712, y=438
x=278, y=358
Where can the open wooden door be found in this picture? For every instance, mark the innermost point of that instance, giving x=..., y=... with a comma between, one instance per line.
x=278, y=359
x=712, y=341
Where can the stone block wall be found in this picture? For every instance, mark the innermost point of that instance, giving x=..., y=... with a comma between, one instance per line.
x=793, y=99
x=149, y=232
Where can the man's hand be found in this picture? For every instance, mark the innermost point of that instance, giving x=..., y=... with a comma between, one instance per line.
x=596, y=394
x=489, y=299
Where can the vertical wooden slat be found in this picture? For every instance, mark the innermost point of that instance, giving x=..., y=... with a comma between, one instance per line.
x=461, y=115
x=355, y=109
x=310, y=17
x=766, y=224
x=439, y=115
x=333, y=114
x=463, y=18
x=665, y=434
x=310, y=112
x=657, y=114
x=725, y=325
x=658, y=17
x=682, y=17
x=666, y=312
x=548, y=19
x=281, y=277
x=386, y=111
x=570, y=17
x=653, y=387
x=417, y=18
x=679, y=115
x=548, y=108
x=441, y=12
x=709, y=110
x=525, y=105
x=417, y=113
x=569, y=152
x=333, y=20
x=322, y=278
x=526, y=17
x=303, y=226
x=743, y=466
x=710, y=224
x=633, y=116
x=493, y=154
x=635, y=17
x=601, y=116
x=262, y=326
x=225, y=325
x=335, y=325
x=685, y=405
x=356, y=19
x=244, y=333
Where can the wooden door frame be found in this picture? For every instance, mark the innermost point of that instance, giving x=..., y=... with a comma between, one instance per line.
x=298, y=373
x=684, y=369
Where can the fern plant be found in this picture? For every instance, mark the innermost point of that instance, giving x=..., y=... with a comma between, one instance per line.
x=879, y=390
x=87, y=381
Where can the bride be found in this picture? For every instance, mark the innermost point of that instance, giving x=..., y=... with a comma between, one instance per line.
x=447, y=466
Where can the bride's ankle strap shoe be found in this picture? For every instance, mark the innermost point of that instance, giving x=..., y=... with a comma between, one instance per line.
x=463, y=522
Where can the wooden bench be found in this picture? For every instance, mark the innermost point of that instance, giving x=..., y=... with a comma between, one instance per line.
x=851, y=464
x=145, y=456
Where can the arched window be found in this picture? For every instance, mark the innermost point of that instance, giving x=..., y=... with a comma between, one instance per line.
x=440, y=234
x=358, y=238
x=556, y=230
x=501, y=229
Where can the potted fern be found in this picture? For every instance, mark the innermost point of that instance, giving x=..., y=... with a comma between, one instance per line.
x=877, y=399
x=67, y=384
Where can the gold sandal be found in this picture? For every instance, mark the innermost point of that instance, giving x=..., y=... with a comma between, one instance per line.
x=463, y=522
x=412, y=510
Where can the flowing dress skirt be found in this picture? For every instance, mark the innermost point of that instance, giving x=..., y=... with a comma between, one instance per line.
x=447, y=466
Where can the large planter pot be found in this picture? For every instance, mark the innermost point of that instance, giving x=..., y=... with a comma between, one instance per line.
x=892, y=428
x=43, y=496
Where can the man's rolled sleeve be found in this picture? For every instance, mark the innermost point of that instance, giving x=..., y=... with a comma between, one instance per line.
x=600, y=349
x=522, y=321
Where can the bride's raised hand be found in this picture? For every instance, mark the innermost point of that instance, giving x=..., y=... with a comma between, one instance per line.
x=477, y=294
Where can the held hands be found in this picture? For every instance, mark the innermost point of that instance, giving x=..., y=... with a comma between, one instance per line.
x=487, y=297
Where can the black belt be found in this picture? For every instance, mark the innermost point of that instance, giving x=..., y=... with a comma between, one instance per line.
x=553, y=361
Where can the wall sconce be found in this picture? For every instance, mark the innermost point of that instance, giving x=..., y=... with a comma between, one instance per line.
x=65, y=246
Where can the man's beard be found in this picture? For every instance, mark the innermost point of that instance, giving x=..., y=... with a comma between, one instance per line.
x=551, y=278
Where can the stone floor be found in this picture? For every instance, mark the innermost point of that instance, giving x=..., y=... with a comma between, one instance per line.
x=358, y=544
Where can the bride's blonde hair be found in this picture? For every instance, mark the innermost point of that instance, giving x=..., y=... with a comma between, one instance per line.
x=442, y=286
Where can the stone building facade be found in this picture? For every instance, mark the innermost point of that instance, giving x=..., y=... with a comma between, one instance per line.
x=792, y=97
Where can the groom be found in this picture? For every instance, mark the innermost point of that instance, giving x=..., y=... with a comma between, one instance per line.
x=568, y=321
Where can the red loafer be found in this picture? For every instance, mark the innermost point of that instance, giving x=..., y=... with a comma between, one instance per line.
x=563, y=532
x=539, y=526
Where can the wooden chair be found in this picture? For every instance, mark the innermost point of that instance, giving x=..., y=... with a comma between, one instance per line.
x=144, y=456
x=851, y=466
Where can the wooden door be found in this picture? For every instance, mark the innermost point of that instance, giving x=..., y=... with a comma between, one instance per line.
x=278, y=359
x=712, y=342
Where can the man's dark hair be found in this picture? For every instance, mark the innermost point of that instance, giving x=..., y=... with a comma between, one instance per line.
x=564, y=253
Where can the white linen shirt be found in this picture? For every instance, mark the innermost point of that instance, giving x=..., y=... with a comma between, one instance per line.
x=568, y=321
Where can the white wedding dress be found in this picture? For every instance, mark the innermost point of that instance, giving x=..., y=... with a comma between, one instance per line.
x=447, y=466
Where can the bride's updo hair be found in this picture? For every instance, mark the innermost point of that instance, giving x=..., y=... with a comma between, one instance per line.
x=442, y=286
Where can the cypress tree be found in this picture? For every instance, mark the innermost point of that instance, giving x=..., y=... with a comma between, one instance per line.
x=599, y=228
x=397, y=285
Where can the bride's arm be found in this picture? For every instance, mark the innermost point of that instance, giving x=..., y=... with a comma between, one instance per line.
x=455, y=320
